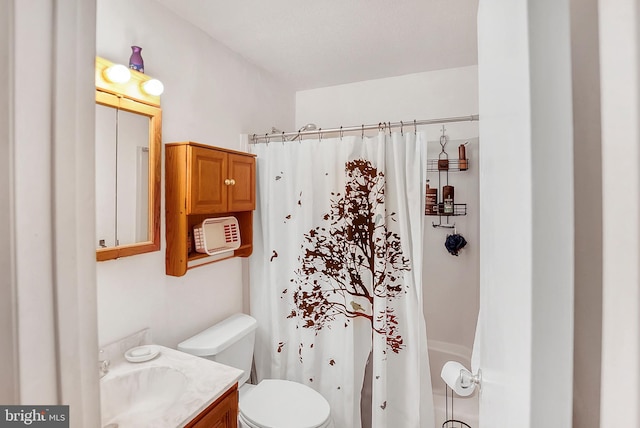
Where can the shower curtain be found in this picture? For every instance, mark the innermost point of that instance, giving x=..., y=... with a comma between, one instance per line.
x=336, y=273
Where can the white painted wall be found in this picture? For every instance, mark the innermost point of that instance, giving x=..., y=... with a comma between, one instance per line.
x=524, y=347
x=619, y=23
x=428, y=95
x=448, y=282
x=211, y=96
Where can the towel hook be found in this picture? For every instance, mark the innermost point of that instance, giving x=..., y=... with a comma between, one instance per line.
x=443, y=139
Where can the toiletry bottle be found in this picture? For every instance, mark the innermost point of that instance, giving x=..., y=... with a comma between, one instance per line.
x=431, y=200
x=462, y=157
x=447, y=198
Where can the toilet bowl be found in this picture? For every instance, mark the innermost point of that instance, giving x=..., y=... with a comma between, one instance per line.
x=272, y=403
x=283, y=404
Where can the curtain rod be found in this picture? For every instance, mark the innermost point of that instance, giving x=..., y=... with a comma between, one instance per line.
x=255, y=138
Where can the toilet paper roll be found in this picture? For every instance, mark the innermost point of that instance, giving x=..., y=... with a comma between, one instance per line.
x=452, y=373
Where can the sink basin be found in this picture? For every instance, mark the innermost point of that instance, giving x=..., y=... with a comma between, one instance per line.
x=143, y=391
x=167, y=391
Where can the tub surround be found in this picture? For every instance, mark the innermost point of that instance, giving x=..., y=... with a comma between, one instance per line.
x=199, y=382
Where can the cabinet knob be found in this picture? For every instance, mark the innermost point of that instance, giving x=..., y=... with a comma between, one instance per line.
x=233, y=182
x=227, y=181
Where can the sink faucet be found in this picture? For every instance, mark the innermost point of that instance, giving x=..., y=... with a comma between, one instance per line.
x=103, y=364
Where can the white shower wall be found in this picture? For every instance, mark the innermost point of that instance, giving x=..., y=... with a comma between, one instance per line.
x=450, y=284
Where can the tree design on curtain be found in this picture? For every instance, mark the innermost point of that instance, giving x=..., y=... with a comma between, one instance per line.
x=357, y=260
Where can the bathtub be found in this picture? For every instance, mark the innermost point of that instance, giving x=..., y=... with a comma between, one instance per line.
x=464, y=408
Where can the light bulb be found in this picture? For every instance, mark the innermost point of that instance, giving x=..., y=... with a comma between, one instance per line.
x=117, y=73
x=153, y=87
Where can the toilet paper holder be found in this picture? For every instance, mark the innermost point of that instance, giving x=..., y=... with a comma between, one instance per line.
x=470, y=380
x=460, y=379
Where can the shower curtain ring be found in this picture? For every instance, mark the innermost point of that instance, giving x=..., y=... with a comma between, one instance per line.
x=255, y=139
x=283, y=139
x=415, y=127
x=362, y=131
x=401, y=128
x=320, y=135
x=341, y=133
x=266, y=138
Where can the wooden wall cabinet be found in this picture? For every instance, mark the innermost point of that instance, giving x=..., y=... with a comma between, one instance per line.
x=223, y=413
x=219, y=181
x=205, y=182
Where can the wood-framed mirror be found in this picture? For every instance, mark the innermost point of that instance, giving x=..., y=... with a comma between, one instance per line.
x=128, y=161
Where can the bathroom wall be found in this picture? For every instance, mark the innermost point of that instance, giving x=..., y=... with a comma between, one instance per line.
x=211, y=96
x=450, y=284
x=619, y=23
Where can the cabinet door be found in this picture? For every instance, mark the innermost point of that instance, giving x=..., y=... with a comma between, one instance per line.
x=207, y=192
x=222, y=414
x=242, y=188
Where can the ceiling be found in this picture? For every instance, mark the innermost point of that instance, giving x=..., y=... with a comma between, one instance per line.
x=311, y=44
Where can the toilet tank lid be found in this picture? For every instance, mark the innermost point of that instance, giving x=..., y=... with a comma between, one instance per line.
x=219, y=336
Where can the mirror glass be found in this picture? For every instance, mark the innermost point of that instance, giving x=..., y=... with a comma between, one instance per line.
x=127, y=155
x=122, y=177
x=105, y=176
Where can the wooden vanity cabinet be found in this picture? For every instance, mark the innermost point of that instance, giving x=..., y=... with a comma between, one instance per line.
x=205, y=182
x=223, y=413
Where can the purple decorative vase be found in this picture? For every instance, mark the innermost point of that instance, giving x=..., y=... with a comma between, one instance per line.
x=135, y=60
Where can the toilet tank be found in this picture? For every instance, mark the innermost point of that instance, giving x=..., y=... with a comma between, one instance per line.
x=228, y=342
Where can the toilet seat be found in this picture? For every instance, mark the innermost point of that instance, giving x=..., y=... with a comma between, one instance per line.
x=243, y=423
x=277, y=403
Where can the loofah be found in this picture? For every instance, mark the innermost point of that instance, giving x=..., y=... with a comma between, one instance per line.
x=454, y=243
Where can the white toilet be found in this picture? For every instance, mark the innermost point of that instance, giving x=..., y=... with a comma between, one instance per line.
x=270, y=404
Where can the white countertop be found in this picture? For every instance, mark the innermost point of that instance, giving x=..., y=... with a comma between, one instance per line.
x=167, y=391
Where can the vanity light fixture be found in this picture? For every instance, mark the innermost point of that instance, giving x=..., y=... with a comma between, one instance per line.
x=117, y=73
x=153, y=87
x=129, y=99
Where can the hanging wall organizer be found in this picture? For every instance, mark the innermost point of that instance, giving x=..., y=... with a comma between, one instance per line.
x=440, y=201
